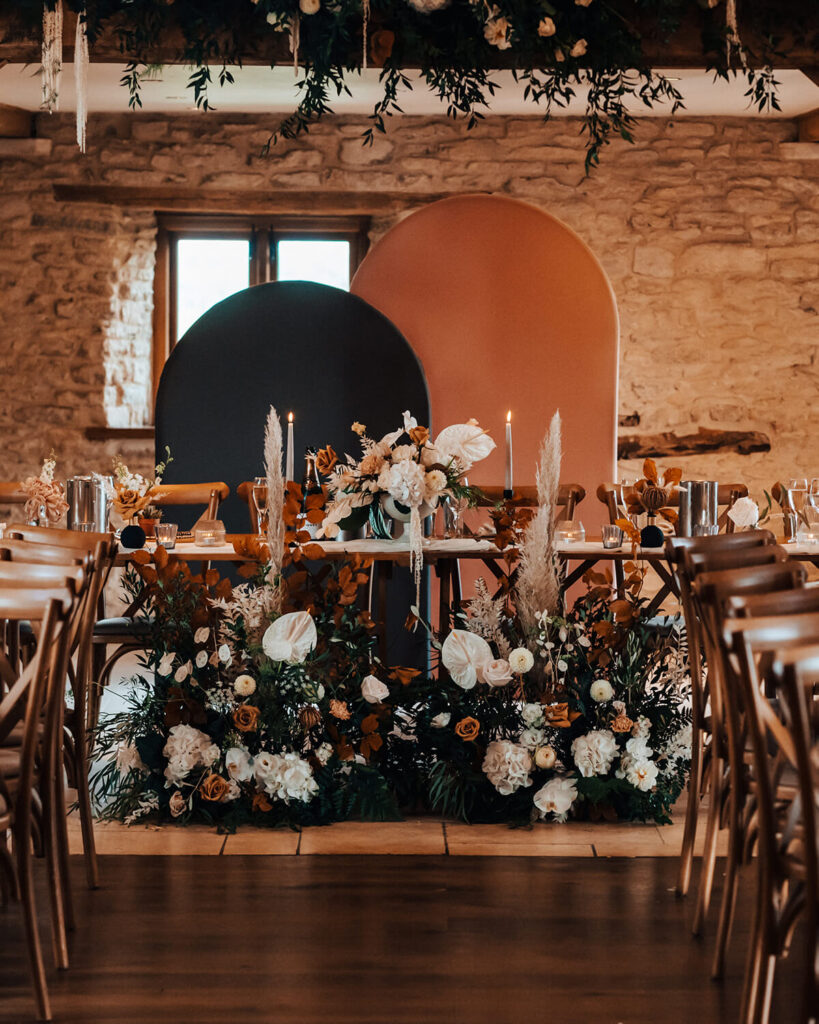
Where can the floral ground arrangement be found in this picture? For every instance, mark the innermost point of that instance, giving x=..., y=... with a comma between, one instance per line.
x=266, y=702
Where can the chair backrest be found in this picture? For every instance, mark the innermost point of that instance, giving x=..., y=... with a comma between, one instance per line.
x=614, y=497
x=71, y=539
x=697, y=562
x=46, y=554
x=676, y=546
x=210, y=495
x=779, y=602
x=32, y=574
x=568, y=498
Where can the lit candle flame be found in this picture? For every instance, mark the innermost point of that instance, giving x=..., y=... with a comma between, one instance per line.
x=509, y=416
x=290, y=417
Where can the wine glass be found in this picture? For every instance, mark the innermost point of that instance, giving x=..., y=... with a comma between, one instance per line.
x=798, y=491
x=813, y=492
x=259, y=495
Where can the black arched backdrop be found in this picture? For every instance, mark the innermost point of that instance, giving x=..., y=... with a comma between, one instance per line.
x=326, y=355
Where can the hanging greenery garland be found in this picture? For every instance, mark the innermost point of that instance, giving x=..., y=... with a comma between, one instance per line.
x=558, y=49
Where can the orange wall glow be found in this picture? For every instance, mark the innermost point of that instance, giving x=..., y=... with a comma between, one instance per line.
x=506, y=308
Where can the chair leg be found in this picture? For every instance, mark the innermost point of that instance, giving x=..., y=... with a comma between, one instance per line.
x=691, y=816
x=22, y=845
x=92, y=873
x=56, y=890
x=729, y=890
x=709, y=853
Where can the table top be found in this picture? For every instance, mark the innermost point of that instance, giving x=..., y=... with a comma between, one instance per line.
x=436, y=549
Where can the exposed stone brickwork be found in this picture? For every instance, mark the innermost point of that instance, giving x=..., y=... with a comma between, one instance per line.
x=708, y=231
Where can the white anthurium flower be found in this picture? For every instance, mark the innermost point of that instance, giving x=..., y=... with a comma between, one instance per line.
x=165, y=664
x=201, y=659
x=373, y=690
x=201, y=635
x=442, y=720
x=290, y=638
x=464, y=656
x=465, y=442
x=409, y=421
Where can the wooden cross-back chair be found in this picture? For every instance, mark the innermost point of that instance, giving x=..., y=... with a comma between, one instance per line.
x=12, y=493
x=210, y=495
x=613, y=496
x=30, y=775
x=781, y=844
x=97, y=553
x=675, y=548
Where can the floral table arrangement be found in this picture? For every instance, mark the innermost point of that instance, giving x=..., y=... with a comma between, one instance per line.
x=45, y=498
x=134, y=493
x=266, y=703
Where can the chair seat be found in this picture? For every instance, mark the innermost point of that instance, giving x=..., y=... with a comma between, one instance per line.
x=122, y=626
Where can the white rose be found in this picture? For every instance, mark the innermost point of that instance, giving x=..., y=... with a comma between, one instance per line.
x=545, y=757
x=201, y=635
x=309, y=6
x=182, y=672
x=239, y=764
x=201, y=659
x=165, y=663
x=744, y=513
x=601, y=690
x=177, y=804
x=244, y=685
x=441, y=721
x=521, y=660
x=642, y=774
x=496, y=672
x=546, y=27
x=594, y=753
x=556, y=797
x=263, y=764
x=373, y=690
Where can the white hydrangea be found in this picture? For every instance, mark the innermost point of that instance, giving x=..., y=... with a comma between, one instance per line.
x=187, y=748
x=594, y=753
x=556, y=797
x=507, y=766
x=532, y=715
x=285, y=776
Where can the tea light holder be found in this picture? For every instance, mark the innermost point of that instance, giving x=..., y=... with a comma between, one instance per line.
x=209, y=533
x=165, y=534
x=612, y=537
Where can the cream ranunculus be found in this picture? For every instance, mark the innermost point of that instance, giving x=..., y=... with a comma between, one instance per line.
x=601, y=690
x=239, y=764
x=464, y=655
x=435, y=483
x=556, y=797
x=465, y=442
x=373, y=690
x=290, y=638
x=546, y=27
x=744, y=513
x=521, y=661
x=244, y=685
x=496, y=672
x=594, y=753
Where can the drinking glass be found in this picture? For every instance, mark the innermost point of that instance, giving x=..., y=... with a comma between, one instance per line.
x=166, y=535
x=797, y=491
x=259, y=495
x=813, y=492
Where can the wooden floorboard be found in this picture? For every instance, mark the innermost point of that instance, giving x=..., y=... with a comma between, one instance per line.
x=382, y=940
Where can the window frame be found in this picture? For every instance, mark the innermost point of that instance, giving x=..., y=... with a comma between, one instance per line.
x=263, y=232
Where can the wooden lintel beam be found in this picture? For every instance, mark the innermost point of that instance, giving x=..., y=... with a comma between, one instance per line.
x=705, y=441
x=213, y=200
x=15, y=123
x=809, y=127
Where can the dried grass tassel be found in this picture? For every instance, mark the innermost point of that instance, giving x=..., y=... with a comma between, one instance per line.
x=295, y=40
x=81, y=60
x=364, y=31
x=538, y=585
x=52, y=55
x=416, y=544
x=275, y=496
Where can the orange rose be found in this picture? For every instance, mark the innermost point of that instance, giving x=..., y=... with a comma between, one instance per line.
x=129, y=503
x=419, y=435
x=557, y=715
x=326, y=460
x=246, y=718
x=622, y=723
x=214, y=788
x=468, y=728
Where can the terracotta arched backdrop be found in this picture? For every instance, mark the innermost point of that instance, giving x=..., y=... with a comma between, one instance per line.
x=507, y=308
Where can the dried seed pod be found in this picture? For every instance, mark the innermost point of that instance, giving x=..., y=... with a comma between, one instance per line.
x=654, y=498
x=309, y=717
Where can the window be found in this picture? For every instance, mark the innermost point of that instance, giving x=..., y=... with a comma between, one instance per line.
x=202, y=260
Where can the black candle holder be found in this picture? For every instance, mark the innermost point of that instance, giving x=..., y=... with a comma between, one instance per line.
x=508, y=495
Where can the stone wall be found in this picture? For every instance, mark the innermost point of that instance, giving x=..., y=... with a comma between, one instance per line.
x=708, y=229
